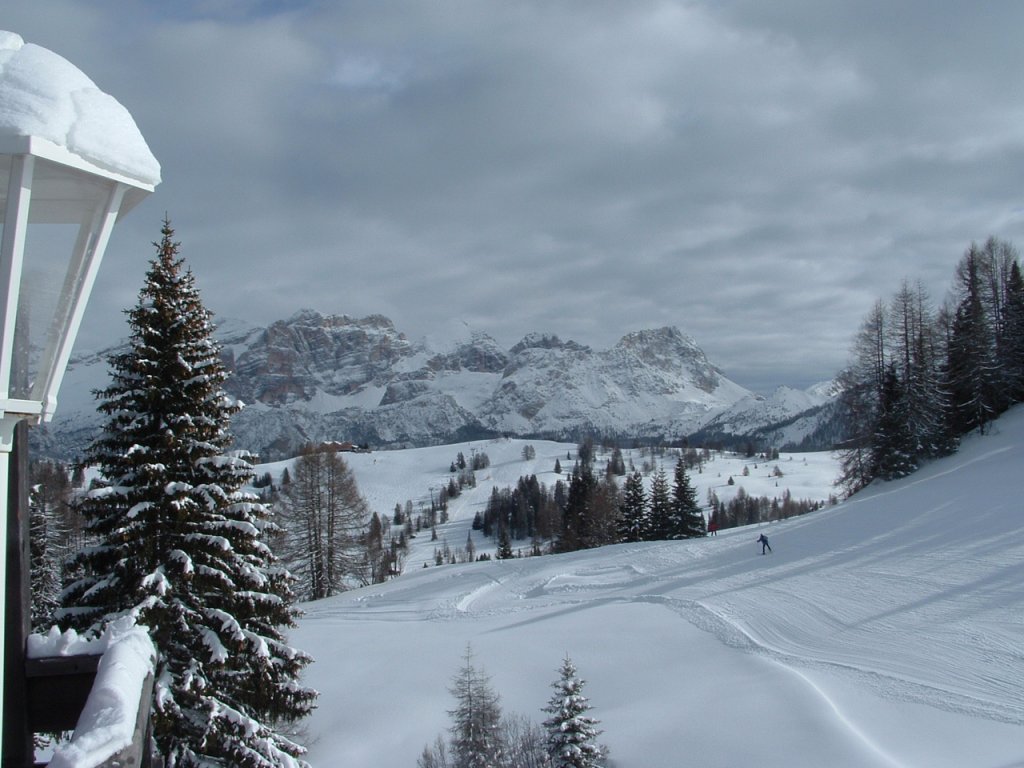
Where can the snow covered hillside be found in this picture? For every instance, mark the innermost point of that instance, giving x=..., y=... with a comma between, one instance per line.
x=387, y=478
x=885, y=631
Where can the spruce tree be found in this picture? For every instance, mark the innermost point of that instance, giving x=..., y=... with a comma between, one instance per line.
x=179, y=542
x=660, y=503
x=504, y=544
x=687, y=519
x=577, y=520
x=572, y=733
x=894, y=450
x=633, y=509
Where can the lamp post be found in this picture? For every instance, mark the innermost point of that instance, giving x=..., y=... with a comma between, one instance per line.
x=42, y=300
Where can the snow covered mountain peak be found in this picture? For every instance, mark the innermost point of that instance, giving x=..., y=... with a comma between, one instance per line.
x=545, y=341
x=668, y=349
x=315, y=377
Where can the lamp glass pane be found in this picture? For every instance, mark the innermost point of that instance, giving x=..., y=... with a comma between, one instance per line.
x=48, y=250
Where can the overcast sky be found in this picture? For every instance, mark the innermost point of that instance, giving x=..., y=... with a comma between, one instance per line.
x=755, y=173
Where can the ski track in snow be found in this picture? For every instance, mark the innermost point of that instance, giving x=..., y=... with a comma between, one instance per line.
x=789, y=610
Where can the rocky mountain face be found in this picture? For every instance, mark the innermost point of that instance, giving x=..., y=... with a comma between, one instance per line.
x=313, y=378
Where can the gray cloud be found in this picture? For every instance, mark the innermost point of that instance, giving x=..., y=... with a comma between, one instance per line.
x=754, y=173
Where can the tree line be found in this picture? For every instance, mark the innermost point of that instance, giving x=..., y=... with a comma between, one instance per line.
x=590, y=509
x=922, y=377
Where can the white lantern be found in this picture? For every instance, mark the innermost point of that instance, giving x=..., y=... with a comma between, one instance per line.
x=43, y=296
x=71, y=162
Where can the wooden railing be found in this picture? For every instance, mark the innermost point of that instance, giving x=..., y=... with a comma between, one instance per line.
x=58, y=691
x=47, y=694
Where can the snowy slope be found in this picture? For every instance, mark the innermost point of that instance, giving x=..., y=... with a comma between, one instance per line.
x=387, y=478
x=885, y=631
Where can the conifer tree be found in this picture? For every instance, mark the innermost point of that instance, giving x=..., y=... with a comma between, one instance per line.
x=858, y=409
x=325, y=517
x=660, y=505
x=376, y=554
x=917, y=360
x=973, y=371
x=894, y=451
x=180, y=543
x=687, y=519
x=504, y=544
x=861, y=387
x=577, y=520
x=633, y=509
x=477, y=739
x=603, y=513
x=48, y=541
x=572, y=733
x=1013, y=334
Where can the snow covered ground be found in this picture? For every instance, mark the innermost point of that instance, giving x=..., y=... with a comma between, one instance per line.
x=885, y=631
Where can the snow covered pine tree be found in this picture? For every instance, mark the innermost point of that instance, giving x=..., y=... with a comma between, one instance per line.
x=572, y=733
x=179, y=541
x=687, y=518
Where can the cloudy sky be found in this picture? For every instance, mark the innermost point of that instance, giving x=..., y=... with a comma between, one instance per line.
x=755, y=173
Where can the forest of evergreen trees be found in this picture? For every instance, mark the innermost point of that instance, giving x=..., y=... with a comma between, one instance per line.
x=920, y=378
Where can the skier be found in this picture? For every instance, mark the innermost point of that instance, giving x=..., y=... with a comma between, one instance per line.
x=763, y=541
x=713, y=528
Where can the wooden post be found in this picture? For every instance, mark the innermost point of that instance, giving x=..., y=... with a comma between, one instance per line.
x=17, y=738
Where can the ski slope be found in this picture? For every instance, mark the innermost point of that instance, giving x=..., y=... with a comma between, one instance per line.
x=885, y=631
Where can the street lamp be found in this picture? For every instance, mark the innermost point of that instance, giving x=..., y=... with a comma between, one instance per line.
x=61, y=182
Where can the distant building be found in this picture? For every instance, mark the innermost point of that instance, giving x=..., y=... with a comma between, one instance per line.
x=344, y=447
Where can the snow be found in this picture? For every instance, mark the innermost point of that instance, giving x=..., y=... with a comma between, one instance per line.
x=44, y=95
x=883, y=631
x=387, y=478
x=107, y=724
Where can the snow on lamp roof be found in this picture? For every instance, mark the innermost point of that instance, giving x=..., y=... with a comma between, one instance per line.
x=44, y=95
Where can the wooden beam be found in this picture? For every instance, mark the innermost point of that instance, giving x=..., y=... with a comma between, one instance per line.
x=57, y=688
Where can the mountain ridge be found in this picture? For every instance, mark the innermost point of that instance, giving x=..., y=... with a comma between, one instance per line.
x=314, y=377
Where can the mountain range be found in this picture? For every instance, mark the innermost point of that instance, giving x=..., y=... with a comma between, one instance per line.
x=315, y=377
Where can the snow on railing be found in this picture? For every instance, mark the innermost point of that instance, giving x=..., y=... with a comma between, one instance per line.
x=115, y=714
